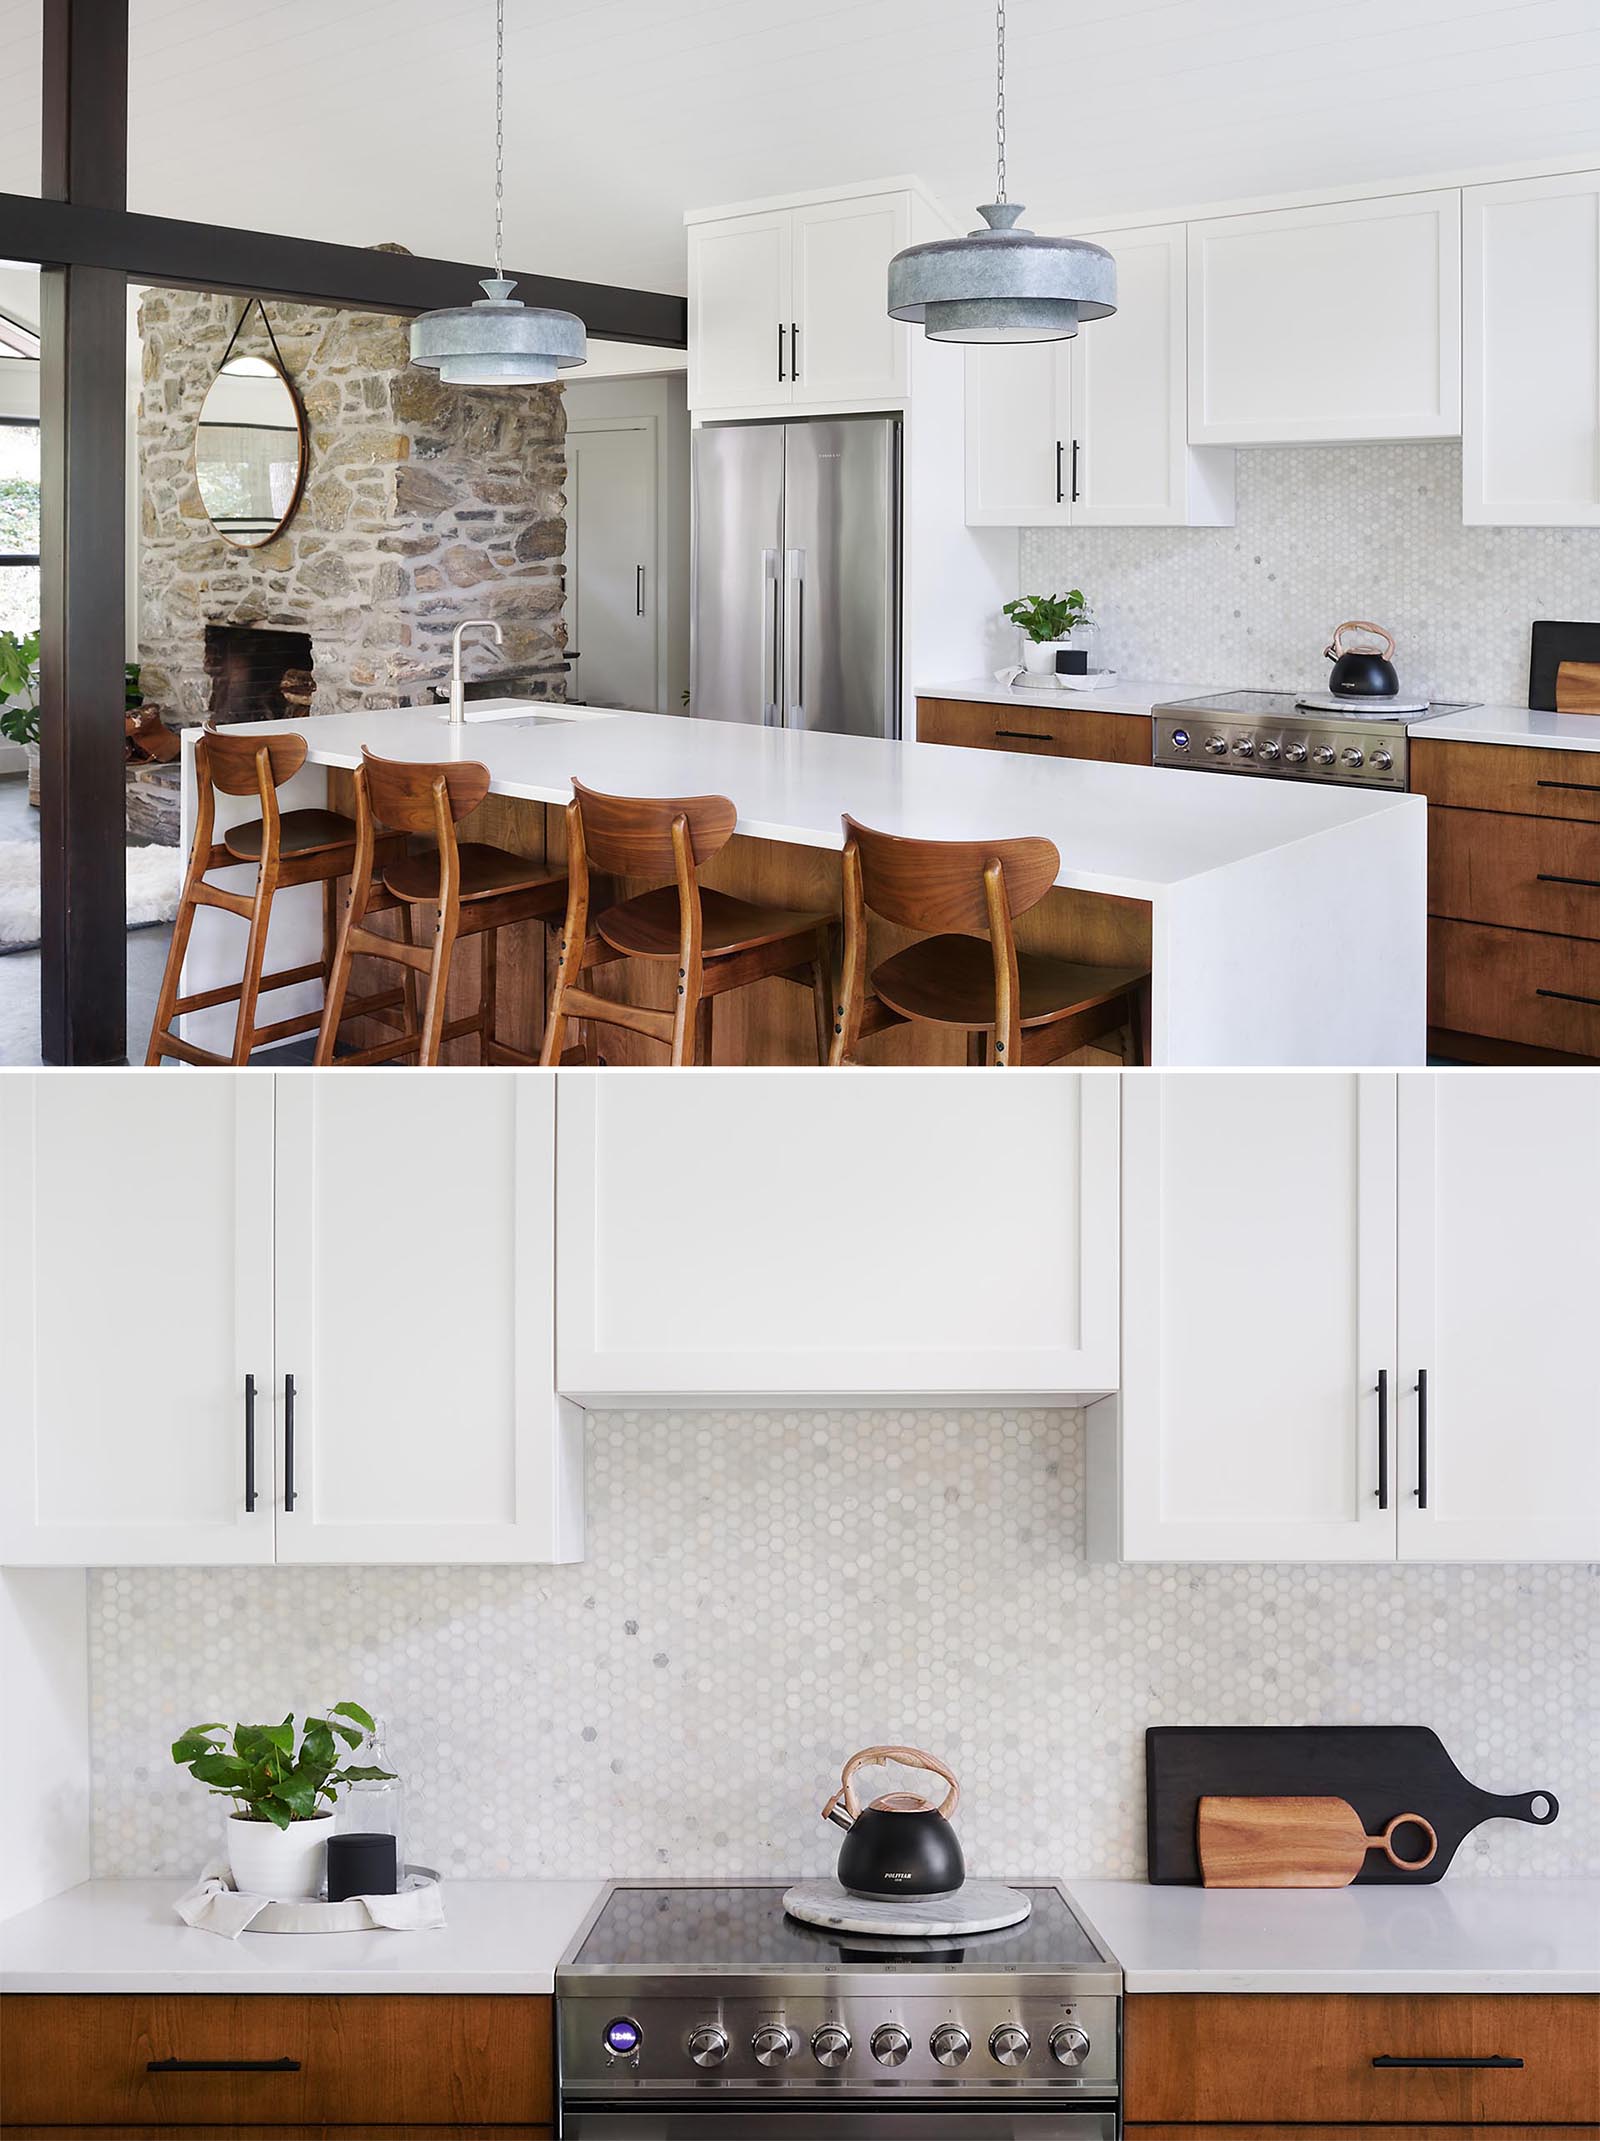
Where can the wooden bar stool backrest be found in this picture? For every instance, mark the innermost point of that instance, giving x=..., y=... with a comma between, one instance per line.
x=935, y=885
x=632, y=836
x=404, y=795
x=231, y=763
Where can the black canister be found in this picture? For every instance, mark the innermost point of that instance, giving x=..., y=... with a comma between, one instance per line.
x=361, y=1863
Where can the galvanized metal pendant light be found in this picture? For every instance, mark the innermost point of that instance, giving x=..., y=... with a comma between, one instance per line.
x=1002, y=284
x=498, y=342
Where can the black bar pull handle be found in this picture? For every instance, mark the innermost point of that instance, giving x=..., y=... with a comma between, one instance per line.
x=780, y=353
x=1061, y=489
x=1491, y=2059
x=1420, y=1490
x=1565, y=996
x=1383, y=1438
x=222, y=2066
x=1074, y=471
x=1549, y=877
x=288, y=1443
x=1024, y=736
x=794, y=349
x=249, y=1445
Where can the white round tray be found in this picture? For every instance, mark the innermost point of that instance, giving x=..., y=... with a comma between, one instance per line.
x=976, y=1907
x=314, y=1914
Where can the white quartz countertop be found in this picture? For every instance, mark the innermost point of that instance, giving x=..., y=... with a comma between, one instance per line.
x=1447, y=1936
x=1123, y=695
x=124, y=1936
x=1133, y=831
x=1526, y=725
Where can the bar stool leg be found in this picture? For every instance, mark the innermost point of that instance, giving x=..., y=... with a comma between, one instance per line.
x=177, y=952
x=444, y=944
x=487, y=972
x=409, y=973
x=254, y=959
x=702, y=1031
x=822, y=991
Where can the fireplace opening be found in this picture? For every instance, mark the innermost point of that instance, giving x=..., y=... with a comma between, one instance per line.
x=258, y=675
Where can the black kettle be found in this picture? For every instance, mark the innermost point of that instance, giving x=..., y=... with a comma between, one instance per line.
x=899, y=1845
x=1362, y=672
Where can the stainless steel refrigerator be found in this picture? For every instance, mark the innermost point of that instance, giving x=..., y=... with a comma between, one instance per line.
x=796, y=575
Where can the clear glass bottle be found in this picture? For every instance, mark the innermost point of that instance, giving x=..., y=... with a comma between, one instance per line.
x=376, y=1806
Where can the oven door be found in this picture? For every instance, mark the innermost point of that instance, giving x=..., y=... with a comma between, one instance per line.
x=826, y=2122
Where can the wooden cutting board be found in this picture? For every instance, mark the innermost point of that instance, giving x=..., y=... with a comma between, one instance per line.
x=1298, y=1843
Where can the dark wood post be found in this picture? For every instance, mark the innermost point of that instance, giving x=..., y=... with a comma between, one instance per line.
x=83, y=448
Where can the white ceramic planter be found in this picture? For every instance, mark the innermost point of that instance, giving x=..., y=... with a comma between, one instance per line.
x=1039, y=655
x=285, y=1864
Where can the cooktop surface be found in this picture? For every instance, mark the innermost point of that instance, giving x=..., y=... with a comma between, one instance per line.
x=746, y=1929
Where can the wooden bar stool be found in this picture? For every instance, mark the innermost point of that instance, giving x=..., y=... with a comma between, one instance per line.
x=719, y=942
x=1025, y=1007
x=291, y=847
x=475, y=890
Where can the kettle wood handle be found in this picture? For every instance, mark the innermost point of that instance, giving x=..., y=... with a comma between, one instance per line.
x=912, y=1757
x=1384, y=1842
x=1358, y=624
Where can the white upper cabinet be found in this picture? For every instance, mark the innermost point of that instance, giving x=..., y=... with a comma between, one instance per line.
x=1093, y=432
x=788, y=306
x=1530, y=452
x=135, y=1304
x=1335, y=322
x=1258, y=1314
x=425, y=1425
x=837, y=1237
x=1499, y=1280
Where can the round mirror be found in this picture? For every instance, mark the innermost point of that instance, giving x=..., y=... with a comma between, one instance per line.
x=250, y=450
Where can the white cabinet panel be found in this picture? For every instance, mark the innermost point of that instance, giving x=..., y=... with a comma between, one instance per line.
x=1499, y=1280
x=414, y=1291
x=1530, y=451
x=1019, y=435
x=136, y=1297
x=1258, y=1311
x=1335, y=322
x=820, y=1236
x=845, y=347
x=740, y=288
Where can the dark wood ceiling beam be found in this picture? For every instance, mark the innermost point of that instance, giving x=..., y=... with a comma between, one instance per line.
x=307, y=271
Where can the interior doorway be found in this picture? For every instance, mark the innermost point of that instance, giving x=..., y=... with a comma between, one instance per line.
x=614, y=612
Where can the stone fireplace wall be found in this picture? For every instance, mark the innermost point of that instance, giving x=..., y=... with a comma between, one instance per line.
x=423, y=505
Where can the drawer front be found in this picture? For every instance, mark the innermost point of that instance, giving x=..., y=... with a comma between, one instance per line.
x=1362, y=2058
x=242, y=2059
x=1047, y=731
x=1504, y=776
x=1523, y=873
x=1511, y=985
x=1284, y=2131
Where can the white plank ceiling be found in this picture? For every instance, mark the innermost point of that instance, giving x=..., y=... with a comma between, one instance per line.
x=365, y=120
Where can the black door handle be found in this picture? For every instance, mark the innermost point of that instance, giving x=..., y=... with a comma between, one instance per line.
x=249, y=1445
x=1420, y=1490
x=794, y=349
x=1074, y=471
x=1549, y=877
x=1565, y=996
x=780, y=353
x=222, y=2066
x=1493, y=2059
x=1060, y=486
x=1024, y=736
x=288, y=1443
x=1383, y=1438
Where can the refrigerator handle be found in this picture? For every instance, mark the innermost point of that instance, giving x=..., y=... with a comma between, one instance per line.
x=772, y=681
x=795, y=639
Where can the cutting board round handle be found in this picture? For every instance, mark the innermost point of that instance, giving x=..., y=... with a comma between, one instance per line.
x=1384, y=1841
x=1522, y=1806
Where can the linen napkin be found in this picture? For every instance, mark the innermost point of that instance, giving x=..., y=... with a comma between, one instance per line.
x=214, y=1905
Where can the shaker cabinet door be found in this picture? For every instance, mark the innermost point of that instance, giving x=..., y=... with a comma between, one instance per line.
x=135, y=1310
x=822, y=1237
x=1019, y=435
x=417, y=1416
x=1499, y=1416
x=740, y=287
x=846, y=347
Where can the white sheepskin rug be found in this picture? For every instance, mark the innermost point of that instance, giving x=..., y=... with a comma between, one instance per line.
x=155, y=877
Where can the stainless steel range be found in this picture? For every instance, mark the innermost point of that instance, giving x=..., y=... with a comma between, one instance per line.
x=706, y=2014
x=1361, y=744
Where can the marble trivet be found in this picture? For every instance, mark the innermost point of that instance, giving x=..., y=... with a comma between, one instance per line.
x=976, y=1907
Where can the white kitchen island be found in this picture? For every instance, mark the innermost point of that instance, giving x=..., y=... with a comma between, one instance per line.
x=1284, y=924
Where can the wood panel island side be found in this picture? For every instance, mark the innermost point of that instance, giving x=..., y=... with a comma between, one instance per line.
x=1282, y=925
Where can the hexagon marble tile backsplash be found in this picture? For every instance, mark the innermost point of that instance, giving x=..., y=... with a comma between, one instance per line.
x=765, y=1593
x=1324, y=533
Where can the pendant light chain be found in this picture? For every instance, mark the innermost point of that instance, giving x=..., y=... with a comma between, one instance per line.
x=1000, y=98
x=499, y=130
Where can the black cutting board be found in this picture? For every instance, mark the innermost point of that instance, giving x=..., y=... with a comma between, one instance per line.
x=1383, y=1770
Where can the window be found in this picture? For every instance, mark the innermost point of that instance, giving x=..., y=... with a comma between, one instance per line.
x=19, y=524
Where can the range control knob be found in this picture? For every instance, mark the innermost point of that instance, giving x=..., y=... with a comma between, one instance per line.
x=1217, y=746
x=1010, y=2045
x=1352, y=754
x=949, y=2045
x=1324, y=754
x=890, y=2045
x=1245, y=747
x=771, y=2045
x=1382, y=761
x=708, y=2047
x=830, y=2045
x=1271, y=750
x=1294, y=754
x=1069, y=2047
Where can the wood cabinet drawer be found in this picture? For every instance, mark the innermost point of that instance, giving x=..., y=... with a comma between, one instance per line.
x=1503, y=776
x=1512, y=985
x=1287, y=2131
x=1261, y=2058
x=260, y=2059
x=1523, y=873
x=1049, y=730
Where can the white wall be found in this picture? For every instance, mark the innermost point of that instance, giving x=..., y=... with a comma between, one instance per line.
x=44, y=1697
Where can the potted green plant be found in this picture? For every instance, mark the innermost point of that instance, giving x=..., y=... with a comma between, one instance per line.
x=278, y=1780
x=19, y=697
x=1047, y=623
